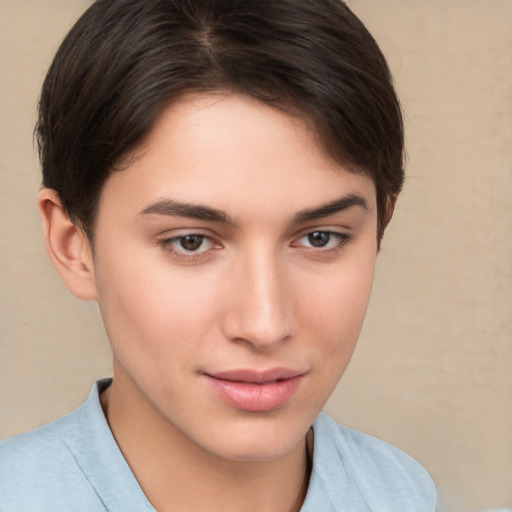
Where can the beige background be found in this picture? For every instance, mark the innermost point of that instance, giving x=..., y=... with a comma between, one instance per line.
x=433, y=371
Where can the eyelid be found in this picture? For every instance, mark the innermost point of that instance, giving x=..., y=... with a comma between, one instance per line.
x=166, y=241
x=342, y=238
x=170, y=234
x=329, y=228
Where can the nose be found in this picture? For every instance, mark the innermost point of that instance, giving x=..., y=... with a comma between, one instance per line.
x=260, y=311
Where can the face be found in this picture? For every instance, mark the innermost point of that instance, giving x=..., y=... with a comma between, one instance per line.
x=233, y=262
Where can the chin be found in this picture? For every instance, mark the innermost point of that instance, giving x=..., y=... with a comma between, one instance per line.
x=258, y=438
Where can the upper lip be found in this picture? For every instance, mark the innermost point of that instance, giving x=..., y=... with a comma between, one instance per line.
x=256, y=376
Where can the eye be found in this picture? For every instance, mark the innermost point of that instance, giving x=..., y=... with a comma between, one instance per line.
x=189, y=244
x=323, y=240
x=319, y=238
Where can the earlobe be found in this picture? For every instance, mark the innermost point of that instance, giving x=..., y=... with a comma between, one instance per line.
x=68, y=247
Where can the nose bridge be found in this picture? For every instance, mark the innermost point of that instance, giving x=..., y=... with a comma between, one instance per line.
x=261, y=310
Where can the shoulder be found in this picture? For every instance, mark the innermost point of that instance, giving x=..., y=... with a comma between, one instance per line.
x=38, y=467
x=385, y=476
x=39, y=447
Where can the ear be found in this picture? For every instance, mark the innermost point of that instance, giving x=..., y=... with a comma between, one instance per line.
x=68, y=247
x=390, y=208
x=385, y=218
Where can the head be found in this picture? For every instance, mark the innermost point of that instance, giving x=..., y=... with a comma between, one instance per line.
x=218, y=177
x=126, y=60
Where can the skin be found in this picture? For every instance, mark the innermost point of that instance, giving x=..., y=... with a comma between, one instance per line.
x=256, y=293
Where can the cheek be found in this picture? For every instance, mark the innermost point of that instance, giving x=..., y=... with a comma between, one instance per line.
x=335, y=315
x=150, y=312
x=340, y=300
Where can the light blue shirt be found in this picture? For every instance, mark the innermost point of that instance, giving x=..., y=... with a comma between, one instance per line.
x=75, y=465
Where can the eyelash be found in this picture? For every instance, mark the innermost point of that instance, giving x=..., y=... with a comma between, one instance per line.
x=340, y=241
x=169, y=244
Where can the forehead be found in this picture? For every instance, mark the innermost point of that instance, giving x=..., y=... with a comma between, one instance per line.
x=232, y=152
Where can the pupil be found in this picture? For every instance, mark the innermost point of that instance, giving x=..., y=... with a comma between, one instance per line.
x=319, y=238
x=191, y=242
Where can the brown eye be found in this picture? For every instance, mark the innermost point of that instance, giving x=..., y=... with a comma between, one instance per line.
x=191, y=242
x=319, y=238
x=190, y=247
x=323, y=242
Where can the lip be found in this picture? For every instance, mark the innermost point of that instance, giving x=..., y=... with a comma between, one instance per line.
x=255, y=390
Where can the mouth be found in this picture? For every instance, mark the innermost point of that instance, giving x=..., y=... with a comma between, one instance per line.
x=254, y=390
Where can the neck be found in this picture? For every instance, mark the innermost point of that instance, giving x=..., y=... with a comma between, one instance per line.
x=177, y=474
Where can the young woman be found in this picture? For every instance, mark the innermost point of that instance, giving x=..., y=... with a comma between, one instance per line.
x=217, y=176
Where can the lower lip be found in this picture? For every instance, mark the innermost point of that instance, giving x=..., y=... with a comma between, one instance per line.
x=255, y=397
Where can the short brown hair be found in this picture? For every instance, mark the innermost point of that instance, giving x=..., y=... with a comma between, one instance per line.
x=124, y=61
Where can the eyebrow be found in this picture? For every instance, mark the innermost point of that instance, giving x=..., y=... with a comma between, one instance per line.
x=174, y=208
x=338, y=205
